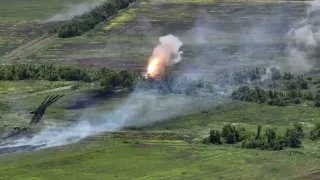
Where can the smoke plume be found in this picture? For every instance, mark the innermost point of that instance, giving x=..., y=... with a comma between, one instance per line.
x=72, y=10
x=304, y=40
x=167, y=52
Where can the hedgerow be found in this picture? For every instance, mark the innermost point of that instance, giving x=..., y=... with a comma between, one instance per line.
x=106, y=77
x=81, y=24
x=270, y=140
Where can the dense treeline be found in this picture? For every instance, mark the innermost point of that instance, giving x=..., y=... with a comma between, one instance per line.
x=244, y=76
x=269, y=140
x=274, y=98
x=81, y=24
x=172, y=84
x=106, y=77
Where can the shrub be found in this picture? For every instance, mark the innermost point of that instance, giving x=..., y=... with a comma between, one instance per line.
x=275, y=74
x=215, y=137
x=292, y=138
x=298, y=127
x=317, y=102
x=270, y=141
x=297, y=100
x=315, y=132
x=278, y=101
x=291, y=86
x=233, y=135
x=302, y=82
x=288, y=76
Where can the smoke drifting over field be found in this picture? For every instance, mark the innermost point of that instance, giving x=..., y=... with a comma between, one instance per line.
x=145, y=107
x=140, y=108
x=72, y=10
x=304, y=40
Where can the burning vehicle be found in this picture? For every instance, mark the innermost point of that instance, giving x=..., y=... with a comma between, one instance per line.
x=165, y=54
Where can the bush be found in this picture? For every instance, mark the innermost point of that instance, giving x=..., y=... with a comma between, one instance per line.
x=270, y=141
x=233, y=135
x=81, y=24
x=315, y=132
x=215, y=137
x=291, y=86
x=317, y=101
x=275, y=74
x=292, y=138
x=302, y=82
x=288, y=76
x=297, y=100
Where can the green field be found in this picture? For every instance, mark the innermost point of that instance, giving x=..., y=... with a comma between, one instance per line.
x=160, y=135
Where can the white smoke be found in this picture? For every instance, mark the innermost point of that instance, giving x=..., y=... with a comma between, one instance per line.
x=167, y=52
x=304, y=40
x=141, y=108
x=72, y=10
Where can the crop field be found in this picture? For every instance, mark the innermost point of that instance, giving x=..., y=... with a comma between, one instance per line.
x=21, y=22
x=150, y=134
x=229, y=32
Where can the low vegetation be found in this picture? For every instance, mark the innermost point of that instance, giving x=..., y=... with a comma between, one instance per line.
x=273, y=97
x=269, y=140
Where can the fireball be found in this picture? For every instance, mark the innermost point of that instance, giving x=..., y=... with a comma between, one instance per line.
x=152, y=67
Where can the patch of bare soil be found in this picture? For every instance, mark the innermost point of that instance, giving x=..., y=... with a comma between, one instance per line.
x=314, y=175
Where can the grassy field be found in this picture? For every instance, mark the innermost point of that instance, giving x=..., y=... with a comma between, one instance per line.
x=216, y=36
x=162, y=152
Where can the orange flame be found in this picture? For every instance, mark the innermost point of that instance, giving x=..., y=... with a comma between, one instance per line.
x=152, y=67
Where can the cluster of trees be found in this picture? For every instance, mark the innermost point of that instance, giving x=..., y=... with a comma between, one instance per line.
x=81, y=24
x=256, y=75
x=172, y=84
x=270, y=140
x=271, y=97
x=106, y=77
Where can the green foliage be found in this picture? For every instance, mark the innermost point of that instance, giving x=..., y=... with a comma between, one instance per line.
x=292, y=138
x=302, y=82
x=315, y=132
x=317, y=100
x=271, y=141
x=81, y=24
x=232, y=134
x=108, y=78
x=172, y=84
x=291, y=85
x=244, y=76
x=258, y=95
x=275, y=74
x=271, y=97
x=214, y=138
x=288, y=76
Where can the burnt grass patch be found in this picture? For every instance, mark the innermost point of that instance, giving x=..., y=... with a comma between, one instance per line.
x=93, y=98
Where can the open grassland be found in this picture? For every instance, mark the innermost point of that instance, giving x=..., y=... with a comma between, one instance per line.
x=162, y=153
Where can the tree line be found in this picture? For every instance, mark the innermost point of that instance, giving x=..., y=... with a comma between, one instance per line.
x=106, y=77
x=274, y=98
x=269, y=140
x=81, y=24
